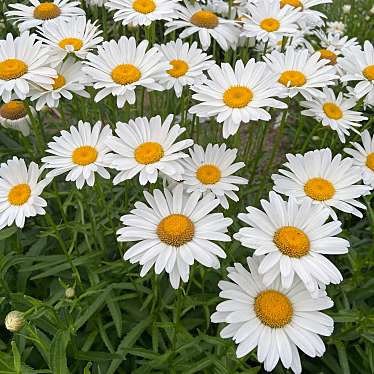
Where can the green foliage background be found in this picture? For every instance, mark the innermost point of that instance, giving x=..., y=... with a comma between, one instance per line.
x=121, y=323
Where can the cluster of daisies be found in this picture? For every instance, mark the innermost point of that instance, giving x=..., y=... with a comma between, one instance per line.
x=274, y=301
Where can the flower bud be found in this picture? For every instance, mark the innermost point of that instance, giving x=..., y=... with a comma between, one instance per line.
x=70, y=293
x=14, y=321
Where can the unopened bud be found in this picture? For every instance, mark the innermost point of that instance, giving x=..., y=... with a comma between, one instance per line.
x=70, y=293
x=14, y=321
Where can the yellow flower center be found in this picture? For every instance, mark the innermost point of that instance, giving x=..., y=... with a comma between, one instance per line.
x=126, y=74
x=208, y=174
x=328, y=55
x=149, y=153
x=144, y=6
x=13, y=110
x=273, y=308
x=176, y=230
x=369, y=72
x=332, y=111
x=370, y=161
x=292, y=241
x=84, y=155
x=179, y=69
x=319, y=189
x=59, y=82
x=270, y=24
x=19, y=194
x=205, y=19
x=12, y=68
x=293, y=3
x=292, y=78
x=46, y=11
x=237, y=97
x=76, y=43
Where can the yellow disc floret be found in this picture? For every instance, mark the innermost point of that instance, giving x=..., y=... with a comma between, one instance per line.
x=332, y=111
x=76, y=43
x=144, y=6
x=126, y=74
x=19, y=194
x=292, y=241
x=208, y=174
x=369, y=72
x=12, y=68
x=237, y=96
x=370, y=161
x=292, y=78
x=270, y=24
x=13, y=110
x=84, y=155
x=319, y=189
x=273, y=308
x=176, y=230
x=59, y=82
x=148, y=153
x=205, y=19
x=179, y=69
x=46, y=11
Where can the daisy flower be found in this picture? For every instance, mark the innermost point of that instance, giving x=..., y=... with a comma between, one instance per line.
x=277, y=321
x=194, y=19
x=80, y=152
x=237, y=95
x=120, y=67
x=298, y=72
x=20, y=192
x=336, y=41
x=316, y=176
x=211, y=171
x=363, y=157
x=188, y=65
x=23, y=62
x=309, y=16
x=334, y=112
x=335, y=27
x=69, y=81
x=142, y=12
x=173, y=231
x=145, y=147
x=75, y=36
x=359, y=66
x=268, y=20
x=13, y=115
x=36, y=14
x=293, y=239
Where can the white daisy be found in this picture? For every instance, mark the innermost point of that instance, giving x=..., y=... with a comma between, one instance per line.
x=336, y=41
x=293, y=239
x=121, y=66
x=80, y=152
x=188, y=65
x=13, y=115
x=69, y=81
x=239, y=95
x=335, y=27
x=211, y=171
x=359, y=66
x=146, y=147
x=142, y=12
x=194, y=19
x=334, y=112
x=174, y=231
x=363, y=157
x=70, y=36
x=268, y=20
x=324, y=180
x=23, y=62
x=299, y=72
x=275, y=320
x=20, y=192
x=309, y=16
x=36, y=14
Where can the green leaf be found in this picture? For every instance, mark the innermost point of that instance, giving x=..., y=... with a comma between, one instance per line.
x=115, y=312
x=58, y=352
x=8, y=232
x=16, y=358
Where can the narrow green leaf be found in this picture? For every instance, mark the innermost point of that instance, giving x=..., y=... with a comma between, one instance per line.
x=58, y=352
